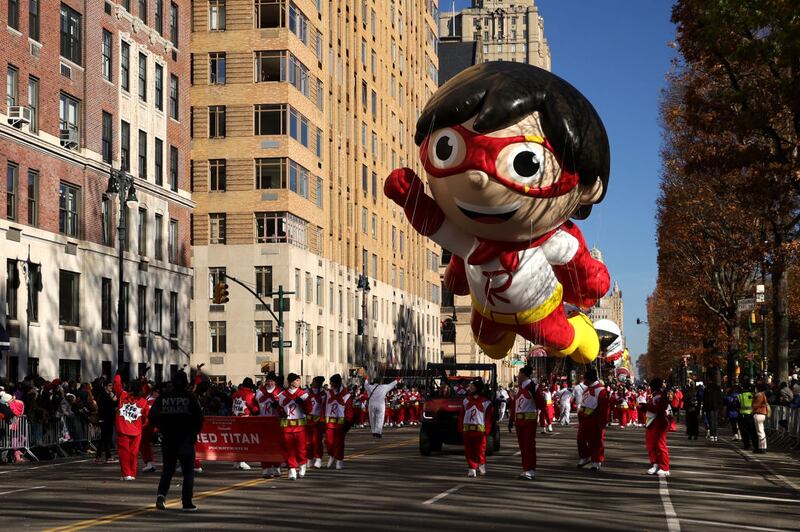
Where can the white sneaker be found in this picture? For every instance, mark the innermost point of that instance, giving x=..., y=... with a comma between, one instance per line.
x=198, y=469
x=653, y=470
x=482, y=469
x=317, y=463
x=309, y=462
x=149, y=468
x=583, y=461
x=596, y=466
x=528, y=475
x=302, y=472
x=129, y=478
x=472, y=473
x=276, y=472
x=662, y=473
x=266, y=472
x=244, y=466
x=331, y=461
x=292, y=474
x=550, y=427
x=339, y=464
x=542, y=431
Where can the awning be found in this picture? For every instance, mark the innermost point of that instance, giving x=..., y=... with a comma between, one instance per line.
x=5, y=345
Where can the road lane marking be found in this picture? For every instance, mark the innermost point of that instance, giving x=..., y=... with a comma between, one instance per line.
x=766, y=466
x=105, y=520
x=444, y=494
x=733, y=525
x=717, y=474
x=673, y=525
x=25, y=468
x=21, y=489
x=739, y=496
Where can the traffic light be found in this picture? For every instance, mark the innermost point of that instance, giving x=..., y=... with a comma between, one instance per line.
x=221, y=293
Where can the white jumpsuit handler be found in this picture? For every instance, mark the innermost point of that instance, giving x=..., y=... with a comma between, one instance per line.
x=377, y=404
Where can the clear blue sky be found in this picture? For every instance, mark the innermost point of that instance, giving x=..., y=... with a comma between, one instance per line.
x=617, y=55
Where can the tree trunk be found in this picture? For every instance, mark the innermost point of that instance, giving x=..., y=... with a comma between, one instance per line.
x=732, y=329
x=780, y=322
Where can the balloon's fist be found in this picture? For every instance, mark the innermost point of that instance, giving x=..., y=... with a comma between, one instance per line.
x=400, y=184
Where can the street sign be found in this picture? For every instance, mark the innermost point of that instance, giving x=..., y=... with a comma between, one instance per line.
x=759, y=293
x=746, y=304
x=280, y=305
x=286, y=343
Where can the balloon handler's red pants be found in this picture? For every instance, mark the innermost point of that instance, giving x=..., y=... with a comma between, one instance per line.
x=656, y=443
x=294, y=443
x=526, y=438
x=334, y=441
x=591, y=438
x=128, y=449
x=314, y=436
x=475, y=448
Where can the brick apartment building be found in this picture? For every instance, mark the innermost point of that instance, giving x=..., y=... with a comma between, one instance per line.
x=88, y=85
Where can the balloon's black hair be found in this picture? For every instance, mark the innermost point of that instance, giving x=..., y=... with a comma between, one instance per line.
x=499, y=94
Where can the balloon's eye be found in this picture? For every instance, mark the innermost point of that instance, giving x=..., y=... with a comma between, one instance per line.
x=446, y=149
x=523, y=163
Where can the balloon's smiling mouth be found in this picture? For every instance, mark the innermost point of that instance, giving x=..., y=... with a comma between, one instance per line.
x=488, y=215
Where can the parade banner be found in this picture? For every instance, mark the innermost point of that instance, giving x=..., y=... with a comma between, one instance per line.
x=239, y=439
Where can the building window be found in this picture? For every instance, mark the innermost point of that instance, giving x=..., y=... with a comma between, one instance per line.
x=173, y=24
x=217, y=68
x=70, y=34
x=270, y=119
x=160, y=17
x=216, y=122
x=12, y=186
x=143, y=10
x=270, y=65
x=125, y=299
x=172, y=241
x=105, y=228
x=33, y=103
x=69, y=117
x=216, y=15
x=69, y=200
x=264, y=280
x=12, y=286
x=159, y=87
x=33, y=198
x=263, y=336
x=143, y=77
x=218, y=342
x=281, y=227
x=215, y=277
x=142, y=232
x=142, y=154
x=105, y=304
x=13, y=14
x=125, y=65
x=158, y=308
x=12, y=80
x=107, y=136
x=69, y=297
x=216, y=228
x=173, y=315
x=33, y=19
x=173, y=96
x=159, y=229
x=141, y=314
x=125, y=145
x=270, y=173
x=270, y=13
x=298, y=23
x=173, y=168
x=159, y=162
x=320, y=292
x=216, y=174
x=107, y=50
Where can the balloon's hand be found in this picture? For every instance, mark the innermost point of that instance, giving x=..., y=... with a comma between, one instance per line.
x=400, y=184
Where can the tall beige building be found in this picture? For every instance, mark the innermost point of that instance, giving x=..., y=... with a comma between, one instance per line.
x=610, y=306
x=300, y=110
x=505, y=30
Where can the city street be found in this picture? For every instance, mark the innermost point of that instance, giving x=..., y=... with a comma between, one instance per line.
x=387, y=485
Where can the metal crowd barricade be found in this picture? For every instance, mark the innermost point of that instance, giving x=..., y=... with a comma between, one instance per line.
x=22, y=434
x=784, y=425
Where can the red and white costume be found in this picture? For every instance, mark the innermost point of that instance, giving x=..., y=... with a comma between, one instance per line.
x=131, y=417
x=315, y=426
x=293, y=425
x=338, y=417
x=524, y=412
x=546, y=413
x=243, y=402
x=516, y=287
x=414, y=406
x=267, y=399
x=592, y=419
x=475, y=423
x=658, y=423
x=148, y=430
x=641, y=407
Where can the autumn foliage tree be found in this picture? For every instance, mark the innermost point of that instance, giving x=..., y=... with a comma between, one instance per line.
x=731, y=182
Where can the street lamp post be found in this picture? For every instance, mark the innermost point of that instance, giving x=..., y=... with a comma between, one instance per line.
x=363, y=285
x=120, y=183
x=302, y=328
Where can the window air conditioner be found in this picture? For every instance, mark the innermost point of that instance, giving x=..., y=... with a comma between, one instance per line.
x=18, y=114
x=69, y=137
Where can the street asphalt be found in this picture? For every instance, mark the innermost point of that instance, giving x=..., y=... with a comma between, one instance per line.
x=387, y=485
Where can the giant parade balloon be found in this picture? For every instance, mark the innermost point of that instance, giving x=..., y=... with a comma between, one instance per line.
x=511, y=154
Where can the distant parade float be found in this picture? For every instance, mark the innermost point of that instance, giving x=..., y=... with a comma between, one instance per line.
x=612, y=349
x=511, y=154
